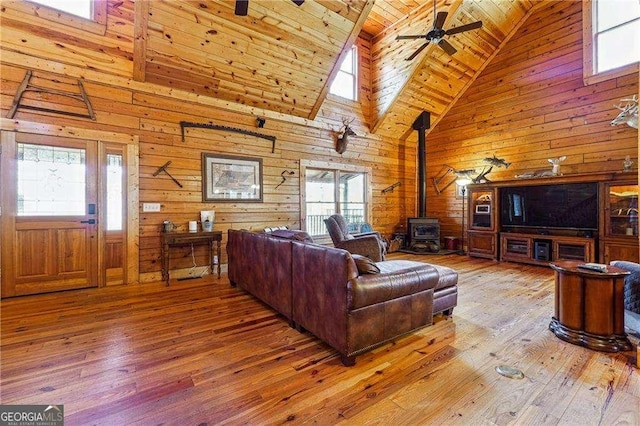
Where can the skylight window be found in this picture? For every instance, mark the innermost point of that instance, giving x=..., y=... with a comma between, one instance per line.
x=345, y=83
x=81, y=8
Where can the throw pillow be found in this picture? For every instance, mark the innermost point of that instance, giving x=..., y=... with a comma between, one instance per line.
x=365, y=265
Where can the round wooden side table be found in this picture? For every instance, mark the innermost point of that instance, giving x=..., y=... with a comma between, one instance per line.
x=589, y=307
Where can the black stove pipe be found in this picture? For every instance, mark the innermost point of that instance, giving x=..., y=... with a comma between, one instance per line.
x=421, y=124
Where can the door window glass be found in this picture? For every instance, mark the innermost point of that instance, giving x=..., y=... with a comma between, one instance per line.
x=321, y=199
x=114, y=192
x=51, y=181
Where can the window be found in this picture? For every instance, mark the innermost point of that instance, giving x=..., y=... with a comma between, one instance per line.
x=611, y=30
x=87, y=15
x=345, y=83
x=335, y=191
x=51, y=181
x=81, y=8
x=114, y=192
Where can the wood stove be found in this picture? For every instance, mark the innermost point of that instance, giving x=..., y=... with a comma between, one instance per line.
x=424, y=234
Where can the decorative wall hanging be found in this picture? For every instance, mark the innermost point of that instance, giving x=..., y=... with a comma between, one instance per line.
x=227, y=178
x=284, y=178
x=26, y=86
x=343, y=137
x=628, y=114
x=444, y=177
x=185, y=124
x=390, y=188
x=164, y=169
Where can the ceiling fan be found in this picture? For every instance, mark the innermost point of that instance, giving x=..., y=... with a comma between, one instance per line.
x=242, y=6
x=436, y=35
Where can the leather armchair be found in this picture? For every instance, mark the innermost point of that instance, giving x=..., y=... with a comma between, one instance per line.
x=631, y=296
x=631, y=285
x=369, y=244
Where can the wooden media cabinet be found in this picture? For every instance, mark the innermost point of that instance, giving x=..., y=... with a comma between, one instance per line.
x=616, y=236
x=542, y=249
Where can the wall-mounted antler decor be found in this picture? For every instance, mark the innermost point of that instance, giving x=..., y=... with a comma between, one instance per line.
x=628, y=113
x=343, y=138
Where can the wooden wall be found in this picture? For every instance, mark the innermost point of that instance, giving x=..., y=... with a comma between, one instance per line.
x=530, y=104
x=153, y=113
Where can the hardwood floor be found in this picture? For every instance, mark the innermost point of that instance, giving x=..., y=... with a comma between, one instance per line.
x=201, y=352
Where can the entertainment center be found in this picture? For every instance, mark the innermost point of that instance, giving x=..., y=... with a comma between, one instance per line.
x=586, y=217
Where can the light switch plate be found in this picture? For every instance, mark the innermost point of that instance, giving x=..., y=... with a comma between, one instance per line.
x=150, y=207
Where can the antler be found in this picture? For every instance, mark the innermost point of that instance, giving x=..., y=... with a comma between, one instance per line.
x=346, y=122
x=628, y=114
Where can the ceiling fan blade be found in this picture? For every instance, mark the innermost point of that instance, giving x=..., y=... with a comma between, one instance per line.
x=420, y=49
x=410, y=37
x=447, y=47
x=242, y=7
x=463, y=28
x=298, y=2
x=440, y=18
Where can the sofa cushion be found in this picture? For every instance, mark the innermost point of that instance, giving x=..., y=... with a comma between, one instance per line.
x=397, y=278
x=365, y=265
x=290, y=234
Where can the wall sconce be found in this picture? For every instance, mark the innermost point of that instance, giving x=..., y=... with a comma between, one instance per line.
x=260, y=122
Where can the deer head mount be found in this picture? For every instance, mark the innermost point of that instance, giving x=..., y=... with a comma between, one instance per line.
x=628, y=114
x=342, y=139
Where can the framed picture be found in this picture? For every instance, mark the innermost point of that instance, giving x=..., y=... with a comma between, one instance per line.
x=227, y=178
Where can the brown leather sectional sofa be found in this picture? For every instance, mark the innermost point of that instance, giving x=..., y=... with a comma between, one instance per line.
x=320, y=289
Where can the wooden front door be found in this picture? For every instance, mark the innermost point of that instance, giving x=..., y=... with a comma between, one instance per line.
x=49, y=209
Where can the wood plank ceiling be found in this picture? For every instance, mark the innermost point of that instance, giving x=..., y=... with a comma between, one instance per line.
x=434, y=80
x=278, y=57
x=281, y=56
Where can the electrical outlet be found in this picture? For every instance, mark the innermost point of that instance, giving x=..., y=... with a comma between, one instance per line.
x=150, y=207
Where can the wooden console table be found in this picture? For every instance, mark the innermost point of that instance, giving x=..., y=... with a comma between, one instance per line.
x=589, y=307
x=170, y=239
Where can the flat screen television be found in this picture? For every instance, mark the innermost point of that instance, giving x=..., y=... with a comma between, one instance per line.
x=558, y=206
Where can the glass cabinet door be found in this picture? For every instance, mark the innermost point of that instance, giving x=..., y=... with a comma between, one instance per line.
x=481, y=209
x=623, y=210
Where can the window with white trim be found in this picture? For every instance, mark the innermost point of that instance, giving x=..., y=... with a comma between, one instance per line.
x=331, y=191
x=86, y=15
x=81, y=8
x=611, y=38
x=345, y=83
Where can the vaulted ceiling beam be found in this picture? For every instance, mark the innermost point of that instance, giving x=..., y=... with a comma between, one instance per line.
x=140, y=34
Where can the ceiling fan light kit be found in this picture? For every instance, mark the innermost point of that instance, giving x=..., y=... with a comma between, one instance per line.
x=437, y=34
